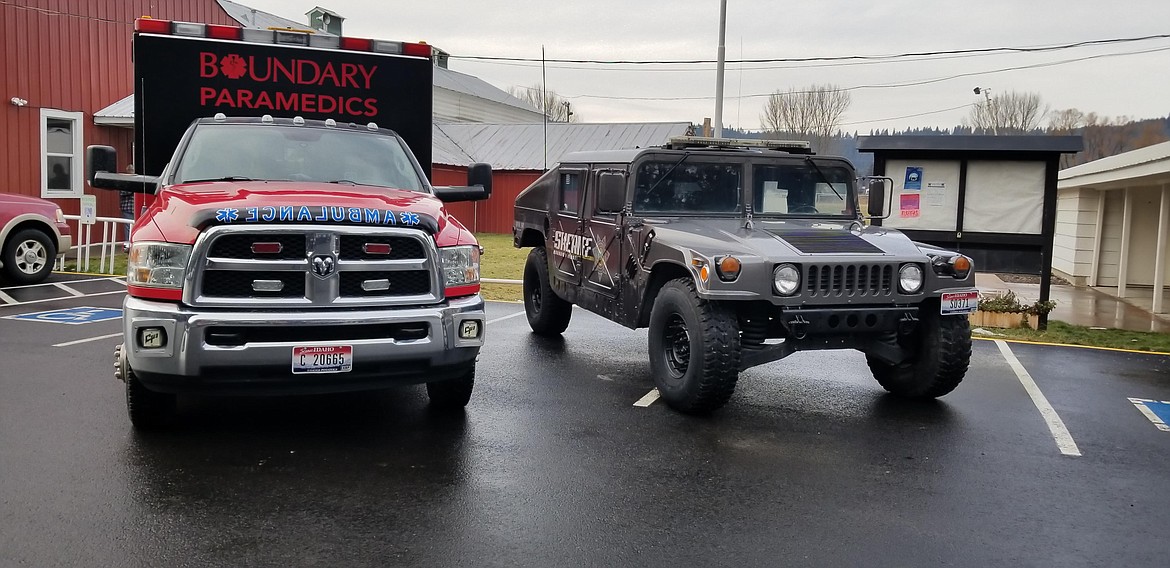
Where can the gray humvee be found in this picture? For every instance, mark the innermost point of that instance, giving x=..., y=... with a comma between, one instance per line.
x=736, y=253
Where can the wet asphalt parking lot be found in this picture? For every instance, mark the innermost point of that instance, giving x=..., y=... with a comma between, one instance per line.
x=552, y=464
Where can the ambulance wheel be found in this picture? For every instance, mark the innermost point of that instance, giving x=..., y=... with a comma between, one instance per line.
x=548, y=314
x=452, y=394
x=148, y=410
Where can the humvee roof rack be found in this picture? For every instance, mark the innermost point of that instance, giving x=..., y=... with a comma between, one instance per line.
x=792, y=146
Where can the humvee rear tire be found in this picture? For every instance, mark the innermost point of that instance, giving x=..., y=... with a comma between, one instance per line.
x=694, y=349
x=548, y=314
x=452, y=394
x=944, y=353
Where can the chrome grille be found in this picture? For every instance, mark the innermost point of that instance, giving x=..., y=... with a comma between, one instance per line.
x=226, y=272
x=862, y=280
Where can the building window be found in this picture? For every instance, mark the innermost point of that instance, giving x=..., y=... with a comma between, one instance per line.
x=61, y=154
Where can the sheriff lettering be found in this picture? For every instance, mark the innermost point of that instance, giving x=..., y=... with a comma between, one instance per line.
x=572, y=245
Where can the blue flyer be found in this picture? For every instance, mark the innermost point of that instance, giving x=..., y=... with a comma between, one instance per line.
x=913, y=178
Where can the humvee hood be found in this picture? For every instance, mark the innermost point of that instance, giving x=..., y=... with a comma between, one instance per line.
x=187, y=209
x=786, y=239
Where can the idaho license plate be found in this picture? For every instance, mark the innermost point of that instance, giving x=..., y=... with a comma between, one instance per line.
x=322, y=359
x=956, y=303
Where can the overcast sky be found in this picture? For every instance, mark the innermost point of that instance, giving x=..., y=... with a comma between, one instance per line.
x=1134, y=84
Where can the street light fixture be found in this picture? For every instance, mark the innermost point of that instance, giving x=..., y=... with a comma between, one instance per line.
x=990, y=108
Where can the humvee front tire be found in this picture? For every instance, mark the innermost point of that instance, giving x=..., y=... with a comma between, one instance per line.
x=548, y=314
x=944, y=353
x=694, y=349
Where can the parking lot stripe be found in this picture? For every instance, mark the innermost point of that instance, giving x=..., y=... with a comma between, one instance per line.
x=15, y=303
x=68, y=290
x=502, y=318
x=648, y=399
x=1056, y=426
x=6, y=298
x=107, y=277
x=1140, y=403
x=88, y=339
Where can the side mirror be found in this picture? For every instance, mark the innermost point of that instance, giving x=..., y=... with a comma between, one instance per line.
x=100, y=159
x=876, y=208
x=101, y=167
x=611, y=192
x=479, y=186
x=480, y=174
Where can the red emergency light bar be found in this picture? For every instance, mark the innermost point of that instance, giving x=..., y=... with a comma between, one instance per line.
x=284, y=37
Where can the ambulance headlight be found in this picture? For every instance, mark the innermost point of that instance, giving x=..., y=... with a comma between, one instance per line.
x=158, y=265
x=460, y=265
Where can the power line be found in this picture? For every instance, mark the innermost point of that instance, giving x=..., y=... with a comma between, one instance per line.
x=940, y=111
x=1017, y=49
x=880, y=85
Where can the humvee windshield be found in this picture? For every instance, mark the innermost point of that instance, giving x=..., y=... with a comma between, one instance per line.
x=296, y=153
x=673, y=186
x=799, y=189
x=802, y=189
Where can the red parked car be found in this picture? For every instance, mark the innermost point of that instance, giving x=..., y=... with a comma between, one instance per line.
x=32, y=233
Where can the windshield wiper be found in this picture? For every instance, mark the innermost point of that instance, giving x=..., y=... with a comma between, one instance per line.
x=824, y=178
x=349, y=181
x=224, y=178
x=667, y=174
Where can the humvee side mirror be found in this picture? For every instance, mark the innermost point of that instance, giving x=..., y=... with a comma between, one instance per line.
x=876, y=208
x=101, y=171
x=611, y=192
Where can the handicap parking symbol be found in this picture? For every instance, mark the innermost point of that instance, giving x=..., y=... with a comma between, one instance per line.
x=72, y=316
x=1157, y=411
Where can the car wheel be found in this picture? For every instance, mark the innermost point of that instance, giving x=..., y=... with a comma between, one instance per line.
x=452, y=394
x=28, y=257
x=943, y=345
x=148, y=410
x=548, y=314
x=694, y=349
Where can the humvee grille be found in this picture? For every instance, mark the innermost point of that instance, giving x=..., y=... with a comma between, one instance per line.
x=827, y=242
x=849, y=280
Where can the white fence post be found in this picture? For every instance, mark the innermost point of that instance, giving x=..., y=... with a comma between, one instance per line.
x=111, y=229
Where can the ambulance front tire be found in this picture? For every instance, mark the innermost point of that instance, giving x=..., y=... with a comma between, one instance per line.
x=452, y=394
x=148, y=410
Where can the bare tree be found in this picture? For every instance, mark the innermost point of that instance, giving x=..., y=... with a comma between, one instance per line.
x=1008, y=113
x=554, y=106
x=1103, y=136
x=813, y=113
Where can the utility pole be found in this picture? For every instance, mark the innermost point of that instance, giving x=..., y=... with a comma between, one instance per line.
x=719, y=69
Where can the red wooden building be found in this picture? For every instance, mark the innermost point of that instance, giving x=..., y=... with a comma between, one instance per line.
x=63, y=61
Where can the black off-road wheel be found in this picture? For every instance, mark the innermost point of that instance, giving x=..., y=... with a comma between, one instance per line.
x=28, y=257
x=148, y=410
x=548, y=314
x=452, y=394
x=943, y=346
x=694, y=349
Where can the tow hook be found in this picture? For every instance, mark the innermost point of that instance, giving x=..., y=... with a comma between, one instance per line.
x=907, y=324
x=798, y=327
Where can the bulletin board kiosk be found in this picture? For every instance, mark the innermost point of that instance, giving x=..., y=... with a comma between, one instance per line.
x=993, y=198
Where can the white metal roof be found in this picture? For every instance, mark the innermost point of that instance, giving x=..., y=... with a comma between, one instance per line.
x=476, y=87
x=1144, y=166
x=522, y=146
x=120, y=113
x=249, y=17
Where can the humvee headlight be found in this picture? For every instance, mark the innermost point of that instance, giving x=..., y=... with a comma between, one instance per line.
x=910, y=278
x=728, y=268
x=786, y=279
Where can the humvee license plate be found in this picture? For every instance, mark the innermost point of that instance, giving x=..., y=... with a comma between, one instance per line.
x=322, y=359
x=955, y=303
